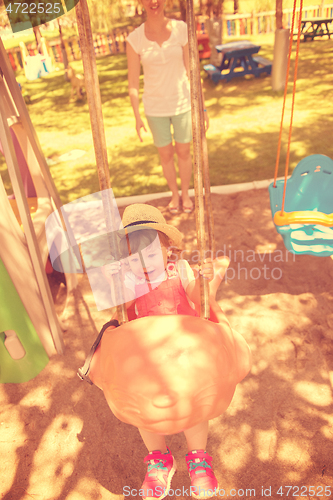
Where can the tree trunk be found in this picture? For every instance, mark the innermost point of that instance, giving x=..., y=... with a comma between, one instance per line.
x=209, y=8
x=182, y=7
x=38, y=37
x=219, y=9
x=200, y=7
x=278, y=15
x=63, y=48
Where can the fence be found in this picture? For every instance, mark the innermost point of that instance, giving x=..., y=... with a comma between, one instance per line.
x=264, y=22
x=104, y=44
x=234, y=25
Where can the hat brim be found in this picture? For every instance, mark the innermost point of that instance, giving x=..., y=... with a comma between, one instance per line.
x=171, y=232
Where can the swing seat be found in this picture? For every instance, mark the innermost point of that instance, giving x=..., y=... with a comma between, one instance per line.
x=306, y=224
x=165, y=374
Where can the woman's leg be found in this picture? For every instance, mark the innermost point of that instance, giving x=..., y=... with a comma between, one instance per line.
x=183, y=152
x=153, y=442
x=196, y=437
x=166, y=156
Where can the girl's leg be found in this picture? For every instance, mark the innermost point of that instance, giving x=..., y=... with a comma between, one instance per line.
x=220, y=267
x=199, y=463
x=183, y=152
x=161, y=466
x=166, y=156
x=196, y=437
x=153, y=442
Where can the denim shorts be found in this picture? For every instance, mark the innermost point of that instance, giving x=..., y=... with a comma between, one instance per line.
x=160, y=127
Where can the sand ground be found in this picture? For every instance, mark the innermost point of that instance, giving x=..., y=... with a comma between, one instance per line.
x=60, y=441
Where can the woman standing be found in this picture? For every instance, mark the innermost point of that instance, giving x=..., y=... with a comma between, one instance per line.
x=161, y=46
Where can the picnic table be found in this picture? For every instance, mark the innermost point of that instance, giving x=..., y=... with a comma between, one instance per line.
x=238, y=59
x=315, y=26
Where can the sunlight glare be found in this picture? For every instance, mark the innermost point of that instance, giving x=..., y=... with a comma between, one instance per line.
x=314, y=393
x=294, y=452
x=266, y=444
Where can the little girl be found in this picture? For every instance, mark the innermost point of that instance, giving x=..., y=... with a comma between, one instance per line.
x=158, y=287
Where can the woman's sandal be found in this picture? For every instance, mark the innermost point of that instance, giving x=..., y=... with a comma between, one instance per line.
x=188, y=210
x=173, y=210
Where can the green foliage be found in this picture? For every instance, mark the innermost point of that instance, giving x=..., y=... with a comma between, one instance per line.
x=264, y=5
x=242, y=139
x=104, y=15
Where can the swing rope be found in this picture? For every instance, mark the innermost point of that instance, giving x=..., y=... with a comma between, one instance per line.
x=293, y=101
x=201, y=172
x=200, y=159
x=282, y=218
x=97, y=127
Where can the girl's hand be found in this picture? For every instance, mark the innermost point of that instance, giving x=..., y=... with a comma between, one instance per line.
x=207, y=269
x=111, y=269
x=139, y=125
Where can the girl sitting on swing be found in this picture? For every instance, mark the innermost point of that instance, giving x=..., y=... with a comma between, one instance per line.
x=156, y=286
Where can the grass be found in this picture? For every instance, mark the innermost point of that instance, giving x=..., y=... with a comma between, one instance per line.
x=242, y=139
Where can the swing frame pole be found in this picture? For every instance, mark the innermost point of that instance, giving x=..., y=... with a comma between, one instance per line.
x=97, y=127
x=198, y=154
x=206, y=178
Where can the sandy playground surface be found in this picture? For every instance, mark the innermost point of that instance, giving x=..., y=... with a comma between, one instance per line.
x=60, y=441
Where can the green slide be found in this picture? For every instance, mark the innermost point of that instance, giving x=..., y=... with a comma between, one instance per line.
x=22, y=355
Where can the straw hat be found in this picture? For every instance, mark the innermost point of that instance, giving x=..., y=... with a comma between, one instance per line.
x=141, y=216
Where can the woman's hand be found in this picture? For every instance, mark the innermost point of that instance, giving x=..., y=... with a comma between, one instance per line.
x=139, y=125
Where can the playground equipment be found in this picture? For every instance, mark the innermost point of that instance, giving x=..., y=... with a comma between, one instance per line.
x=22, y=355
x=306, y=225
x=24, y=253
x=167, y=353
x=302, y=207
x=37, y=65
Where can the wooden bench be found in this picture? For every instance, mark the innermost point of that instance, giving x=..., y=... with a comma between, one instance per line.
x=238, y=59
x=315, y=27
x=264, y=65
x=213, y=72
x=311, y=35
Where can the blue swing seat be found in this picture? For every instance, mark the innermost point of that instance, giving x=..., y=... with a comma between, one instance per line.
x=306, y=225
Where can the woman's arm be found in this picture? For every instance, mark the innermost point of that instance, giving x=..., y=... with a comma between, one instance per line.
x=134, y=67
x=186, y=58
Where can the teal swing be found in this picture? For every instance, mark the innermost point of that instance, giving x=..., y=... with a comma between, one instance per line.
x=302, y=208
x=306, y=223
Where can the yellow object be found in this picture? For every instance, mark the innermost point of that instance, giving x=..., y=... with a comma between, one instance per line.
x=304, y=217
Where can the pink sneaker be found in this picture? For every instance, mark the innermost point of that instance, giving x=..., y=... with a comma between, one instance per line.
x=203, y=480
x=161, y=468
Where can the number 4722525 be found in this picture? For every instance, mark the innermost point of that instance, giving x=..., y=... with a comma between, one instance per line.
x=34, y=8
x=304, y=491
